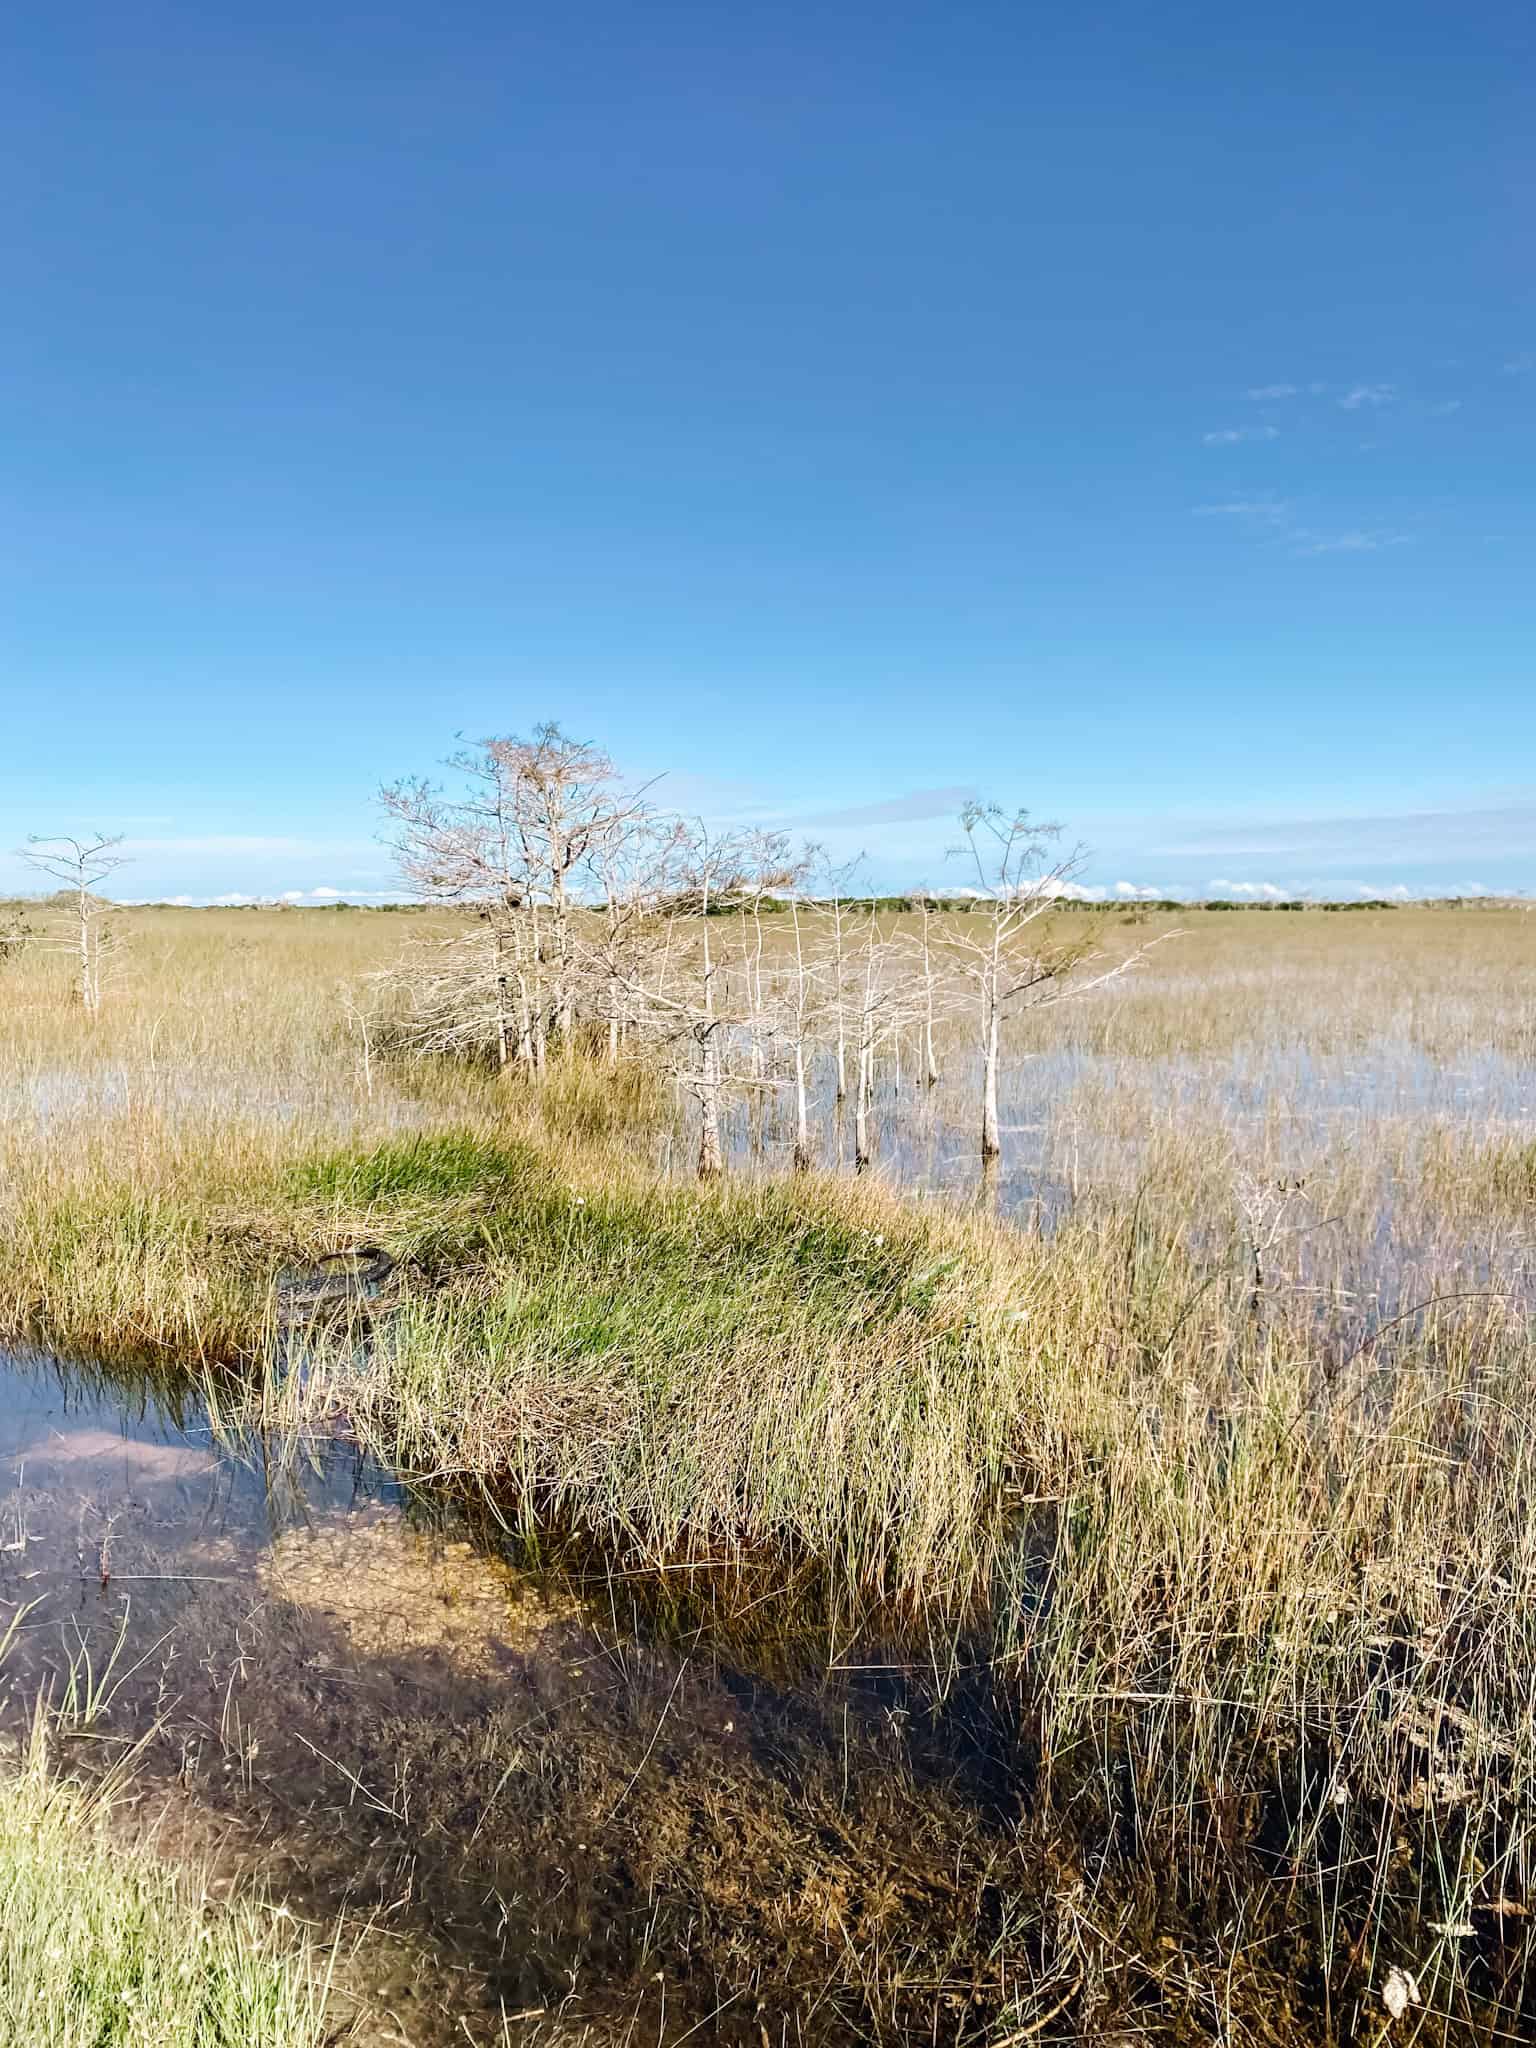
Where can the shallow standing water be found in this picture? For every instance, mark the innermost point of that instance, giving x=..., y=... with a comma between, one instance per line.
x=554, y=1821
x=259, y=1620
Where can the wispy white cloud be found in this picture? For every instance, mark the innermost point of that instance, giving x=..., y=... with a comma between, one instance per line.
x=234, y=899
x=1273, y=518
x=1262, y=391
x=897, y=810
x=1357, y=541
x=1075, y=892
x=1368, y=394
x=1503, y=831
x=328, y=895
x=1445, y=408
x=1270, y=892
x=1140, y=892
x=1255, y=511
x=1522, y=364
x=1227, y=437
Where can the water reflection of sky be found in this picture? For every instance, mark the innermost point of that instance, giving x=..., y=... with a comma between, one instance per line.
x=104, y=1487
x=1080, y=1127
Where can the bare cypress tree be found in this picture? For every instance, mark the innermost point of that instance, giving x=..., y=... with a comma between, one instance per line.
x=79, y=865
x=687, y=1010
x=570, y=807
x=530, y=820
x=600, y=915
x=466, y=849
x=836, y=885
x=1016, y=963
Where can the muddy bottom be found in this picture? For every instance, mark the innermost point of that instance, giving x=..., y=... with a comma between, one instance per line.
x=530, y=1816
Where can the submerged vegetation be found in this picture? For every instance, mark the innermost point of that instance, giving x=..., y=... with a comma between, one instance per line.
x=1206, y=1486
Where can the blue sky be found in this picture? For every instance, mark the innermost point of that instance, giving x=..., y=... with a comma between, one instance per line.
x=1126, y=411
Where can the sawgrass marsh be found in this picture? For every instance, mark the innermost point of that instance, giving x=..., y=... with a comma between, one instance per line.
x=1189, y=1449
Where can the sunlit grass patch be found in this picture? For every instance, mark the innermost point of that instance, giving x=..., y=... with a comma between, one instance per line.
x=102, y=1945
x=817, y=1374
x=425, y=1166
x=129, y=1270
x=1468, y=1177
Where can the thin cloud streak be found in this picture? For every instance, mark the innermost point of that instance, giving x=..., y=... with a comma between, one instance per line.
x=1270, y=518
x=916, y=805
x=1358, y=541
x=1401, y=838
x=1261, y=511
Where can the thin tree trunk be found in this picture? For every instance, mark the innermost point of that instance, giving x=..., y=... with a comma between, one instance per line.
x=802, y=1113
x=524, y=1020
x=930, y=1063
x=539, y=1037
x=87, y=990
x=991, y=1143
x=711, y=1153
x=864, y=1086
x=758, y=1058
x=837, y=962
x=861, y=1146
x=560, y=912
x=524, y=1047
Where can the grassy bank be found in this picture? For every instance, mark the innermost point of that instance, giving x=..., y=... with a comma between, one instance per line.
x=809, y=1374
x=102, y=1945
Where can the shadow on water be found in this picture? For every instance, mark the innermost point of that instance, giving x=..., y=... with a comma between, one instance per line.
x=558, y=1819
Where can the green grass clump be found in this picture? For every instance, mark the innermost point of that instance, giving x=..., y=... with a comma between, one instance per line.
x=103, y=1946
x=716, y=1374
x=427, y=1166
x=136, y=1266
x=582, y=1101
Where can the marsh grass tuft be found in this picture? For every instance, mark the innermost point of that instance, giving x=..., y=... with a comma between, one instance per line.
x=104, y=1945
x=424, y=1167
